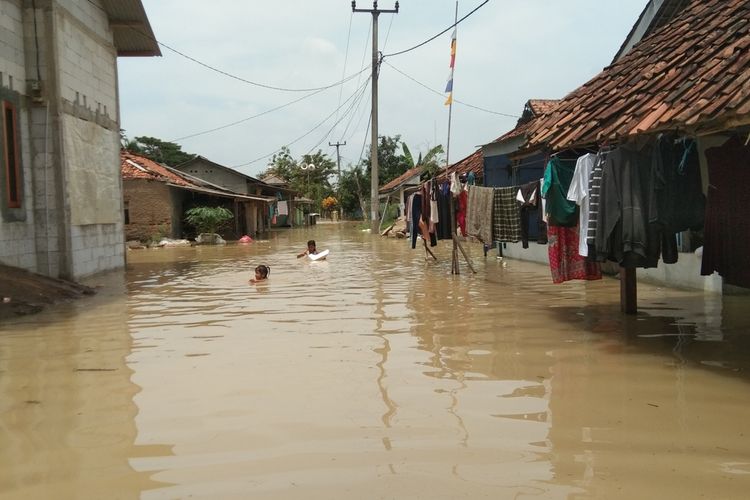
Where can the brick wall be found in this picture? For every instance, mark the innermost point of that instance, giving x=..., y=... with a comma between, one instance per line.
x=149, y=205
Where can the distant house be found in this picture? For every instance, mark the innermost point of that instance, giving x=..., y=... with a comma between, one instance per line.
x=398, y=189
x=60, y=201
x=256, y=216
x=290, y=209
x=155, y=199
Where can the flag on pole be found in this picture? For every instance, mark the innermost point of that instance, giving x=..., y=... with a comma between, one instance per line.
x=449, y=85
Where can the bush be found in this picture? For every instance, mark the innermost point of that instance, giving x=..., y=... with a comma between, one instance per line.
x=207, y=219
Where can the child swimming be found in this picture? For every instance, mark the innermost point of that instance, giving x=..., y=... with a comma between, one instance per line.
x=261, y=274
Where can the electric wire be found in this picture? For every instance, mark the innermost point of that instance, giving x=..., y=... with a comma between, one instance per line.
x=352, y=116
x=338, y=120
x=226, y=73
x=346, y=56
x=442, y=32
x=443, y=95
x=356, y=92
x=232, y=124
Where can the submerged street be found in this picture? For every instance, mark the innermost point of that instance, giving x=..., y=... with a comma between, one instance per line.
x=373, y=374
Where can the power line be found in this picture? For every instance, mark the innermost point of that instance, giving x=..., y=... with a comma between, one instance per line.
x=351, y=106
x=222, y=127
x=346, y=55
x=442, y=32
x=225, y=73
x=442, y=95
x=351, y=117
x=356, y=92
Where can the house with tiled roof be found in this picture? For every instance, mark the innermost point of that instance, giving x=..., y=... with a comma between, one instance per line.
x=685, y=71
x=60, y=193
x=503, y=165
x=397, y=190
x=690, y=76
x=156, y=197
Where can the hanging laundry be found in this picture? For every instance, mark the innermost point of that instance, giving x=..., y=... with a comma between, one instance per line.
x=415, y=216
x=479, y=213
x=623, y=233
x=595, y=189
x=456, y=187
x=578, y=192
x=444, y=226
x=506, y=219
x=283, y=208
x=463, y=206
x=565, y=262
x=529, y=199
x=727, y=243
x=557, y=178
x=676, y=200
x=429, y=227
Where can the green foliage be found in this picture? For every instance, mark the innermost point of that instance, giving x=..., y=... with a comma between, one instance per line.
x=313, y=183
x=354, y=190
x=431, y=161
x=207, y=219
x=155, y=149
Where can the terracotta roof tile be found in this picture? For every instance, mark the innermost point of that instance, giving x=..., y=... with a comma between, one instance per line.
x=134, y=166
x=692, y=73
x=472, y=163
x=395, y=183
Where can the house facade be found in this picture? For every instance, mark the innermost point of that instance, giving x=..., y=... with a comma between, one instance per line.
x=253, y=217
x=156, y=197
x=60, y=203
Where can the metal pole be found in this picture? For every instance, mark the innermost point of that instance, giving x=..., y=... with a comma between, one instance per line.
x=374, y=183
x=450, y=106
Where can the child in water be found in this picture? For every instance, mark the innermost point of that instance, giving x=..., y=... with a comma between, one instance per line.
x=311, y=250
x=261, y=274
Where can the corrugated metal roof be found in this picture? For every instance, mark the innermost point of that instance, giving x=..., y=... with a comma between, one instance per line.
x=693, y=75
x=132, y=31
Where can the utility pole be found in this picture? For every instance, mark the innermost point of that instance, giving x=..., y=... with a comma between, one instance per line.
x=338, y=161
x=374, y=184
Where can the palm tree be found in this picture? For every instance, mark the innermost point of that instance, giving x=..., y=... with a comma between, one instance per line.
x=430, y=162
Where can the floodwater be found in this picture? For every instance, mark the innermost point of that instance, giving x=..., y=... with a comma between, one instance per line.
x=374, y=374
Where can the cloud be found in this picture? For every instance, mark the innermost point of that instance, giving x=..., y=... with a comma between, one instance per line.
x=508, y=52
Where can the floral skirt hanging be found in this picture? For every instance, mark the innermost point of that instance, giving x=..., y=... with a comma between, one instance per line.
x=564, y=260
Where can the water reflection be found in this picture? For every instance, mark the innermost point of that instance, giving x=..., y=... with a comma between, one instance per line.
x=374, y=374
x=66, y=403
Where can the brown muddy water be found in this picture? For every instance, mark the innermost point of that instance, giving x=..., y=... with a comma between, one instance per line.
x=374, y=374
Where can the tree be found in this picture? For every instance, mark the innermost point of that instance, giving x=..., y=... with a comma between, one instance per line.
x=354, y=190
x=309, y=176
x=157, y=150
x=390, y=164
x=430, y=162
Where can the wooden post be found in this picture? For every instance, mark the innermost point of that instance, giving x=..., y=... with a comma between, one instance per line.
x=628, y=291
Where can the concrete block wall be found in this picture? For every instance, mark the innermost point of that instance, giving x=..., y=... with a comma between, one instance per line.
x=16, y=233
x=12, y=64
x=97, y=248
x=87, y=59
x=149, y=208
x=45, y=179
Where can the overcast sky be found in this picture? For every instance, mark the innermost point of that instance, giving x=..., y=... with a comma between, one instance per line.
x=509, y=51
